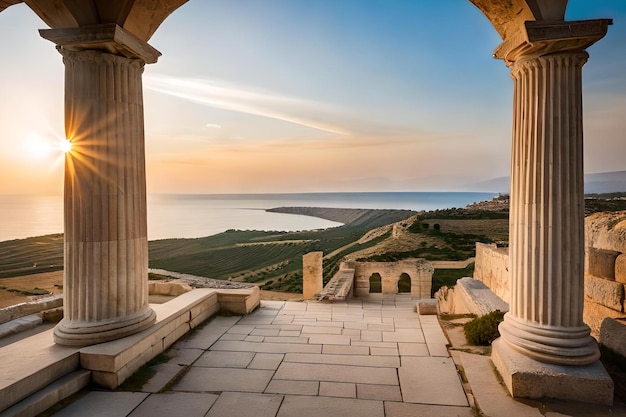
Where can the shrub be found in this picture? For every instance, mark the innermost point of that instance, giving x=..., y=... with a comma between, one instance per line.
x=483, y=330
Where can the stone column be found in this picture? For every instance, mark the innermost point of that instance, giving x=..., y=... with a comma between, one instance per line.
x=547, y=212
x=106, y=247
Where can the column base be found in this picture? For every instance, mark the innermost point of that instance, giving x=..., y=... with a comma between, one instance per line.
x=527, y=378
x=75, y=333
x=550, y=344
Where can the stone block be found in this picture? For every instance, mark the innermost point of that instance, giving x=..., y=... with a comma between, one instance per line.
x=604, y=292
x=53, y=315
x=32, y=307
x=173, y=288
x=528, y=378
x=239, y=302
x=594, y=314
x=477, y=297
x=613, y=335
x=35, y=362
x=426, y=306
x=620, y=268
x=602, y=262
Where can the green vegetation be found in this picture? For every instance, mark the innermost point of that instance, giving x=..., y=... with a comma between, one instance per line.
x=484, y=329
x=448, y=277
x=273, y=260
x=270, y=259
x=31, y=256
x=34, y=291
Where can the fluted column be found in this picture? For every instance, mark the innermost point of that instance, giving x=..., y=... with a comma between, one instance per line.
x=106, y=247
x=547, y=212
x=547, y=192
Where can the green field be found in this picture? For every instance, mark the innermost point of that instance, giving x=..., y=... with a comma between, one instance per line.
x=274, y=259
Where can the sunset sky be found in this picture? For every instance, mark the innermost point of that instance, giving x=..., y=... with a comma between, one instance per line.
x=304, y=96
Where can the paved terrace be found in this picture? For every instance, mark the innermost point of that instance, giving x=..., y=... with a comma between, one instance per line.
x=364, y=357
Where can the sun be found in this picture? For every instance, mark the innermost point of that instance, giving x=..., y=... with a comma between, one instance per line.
x=66, y=146
x=39, y=147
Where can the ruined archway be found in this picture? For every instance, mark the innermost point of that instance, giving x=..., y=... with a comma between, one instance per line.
x=404, y=283
x=375, y=282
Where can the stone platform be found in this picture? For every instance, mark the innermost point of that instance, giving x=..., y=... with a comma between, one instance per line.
x=373, y=357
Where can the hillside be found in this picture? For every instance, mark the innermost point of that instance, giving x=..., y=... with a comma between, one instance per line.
x=273, y=259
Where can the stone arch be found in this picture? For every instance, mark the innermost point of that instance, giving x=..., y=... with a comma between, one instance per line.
x=375, y=282
x=404, y=283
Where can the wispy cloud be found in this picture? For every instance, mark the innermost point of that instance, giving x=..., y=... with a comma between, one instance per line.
x=213, y=126
x=222, y=95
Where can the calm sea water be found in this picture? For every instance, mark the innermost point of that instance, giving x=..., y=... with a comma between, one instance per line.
x=177, y=216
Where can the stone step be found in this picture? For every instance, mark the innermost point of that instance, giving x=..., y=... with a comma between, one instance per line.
x=339, y=288
x=20, y=324
x=478, y=298
x=32, y=363
x=50, y=395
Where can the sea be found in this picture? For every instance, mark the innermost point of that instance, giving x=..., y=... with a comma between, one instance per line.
x=199, y=215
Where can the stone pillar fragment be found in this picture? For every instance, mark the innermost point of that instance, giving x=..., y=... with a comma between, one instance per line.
x=312, y=274
x=106, y=247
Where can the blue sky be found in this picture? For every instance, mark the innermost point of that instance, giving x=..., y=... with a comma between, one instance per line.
x=299, y=96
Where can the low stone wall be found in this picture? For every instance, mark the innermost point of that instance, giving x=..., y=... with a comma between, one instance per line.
x=419, y=270
x=32, y=307
x=492, y=269
x=605, y=269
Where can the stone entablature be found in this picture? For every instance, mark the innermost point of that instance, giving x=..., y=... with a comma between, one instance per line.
x=420, y=271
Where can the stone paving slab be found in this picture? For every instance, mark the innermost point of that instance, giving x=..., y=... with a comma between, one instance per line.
x=404, y=335
x=336, y=373
x=428, y=380
x=269, y=361
x=337, y=389
x=283, y=360
x=221, y=359
x=345, y=350
x=200, y=379
x=280, y=386
x=245, y=405
x=393, y=409
x=322, y=330
x=174, y=404
x=356, y=360
x=306, y=406
x=104, y=404
x=329, y=339
x=164, y=373
x=266, y=347
x=413, y=349
x=491, y=396
x=378, y=392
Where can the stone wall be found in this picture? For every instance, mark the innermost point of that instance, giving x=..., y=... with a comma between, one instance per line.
x=605, y=268
x=419, y=270
x=492, y=269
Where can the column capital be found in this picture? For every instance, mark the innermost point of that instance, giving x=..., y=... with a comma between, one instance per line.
x=539, y=38
x=109, y=38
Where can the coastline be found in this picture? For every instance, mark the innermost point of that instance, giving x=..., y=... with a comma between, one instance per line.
x=340, y=215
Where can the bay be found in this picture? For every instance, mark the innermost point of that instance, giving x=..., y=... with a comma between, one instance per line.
x=198, y=215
